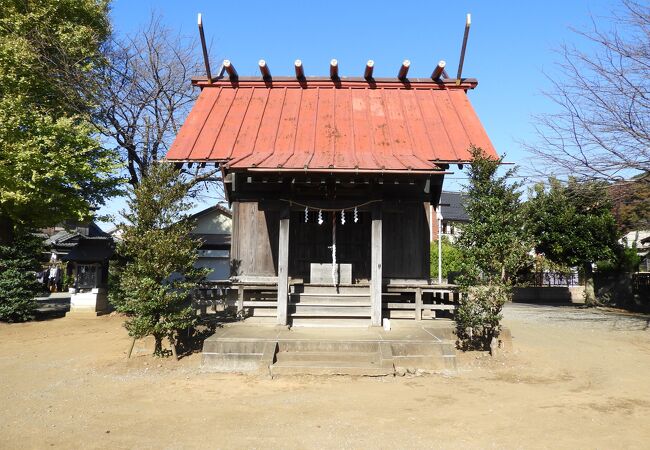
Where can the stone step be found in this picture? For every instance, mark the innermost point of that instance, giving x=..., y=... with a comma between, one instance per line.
x=265, y=312
x=323, y=357
x=262, y=320
x=320, y=310
x=360, y=368
x=328, y=346
x=230, y=362
x=233, y=346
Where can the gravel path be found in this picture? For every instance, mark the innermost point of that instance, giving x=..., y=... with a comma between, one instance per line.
x=606, y=319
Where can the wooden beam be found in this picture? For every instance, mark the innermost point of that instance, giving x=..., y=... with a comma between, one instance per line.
x=283, y=268
x=376, y=267
x=345, y=82
x=204, y=47
x=260, y=304
x=334, y=69
x=468, y=22
x=425, y=307
x=370, y=65
x=437, y=72
x=400, y=306
x=404, y=70
x=232, y=73
x=264, y=69
x=300, y=71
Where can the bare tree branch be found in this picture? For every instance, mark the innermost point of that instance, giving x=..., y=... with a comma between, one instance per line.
x=602, y=128
x=142, y=95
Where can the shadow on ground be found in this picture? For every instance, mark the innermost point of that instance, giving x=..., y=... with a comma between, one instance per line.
x=52, y=306
x=192, y=340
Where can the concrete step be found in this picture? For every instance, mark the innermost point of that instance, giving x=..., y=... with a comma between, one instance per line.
x=341, y=346
x=230, y=362
x=437, y=357
x=361, y=368
x=330, y=322
x=233, y=346
x=264, y=320
x=323, y=357
x=361, y=351
x=265, y=312
x=320, y=310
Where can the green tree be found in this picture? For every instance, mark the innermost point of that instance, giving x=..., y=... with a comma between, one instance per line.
x=156, y=274
x=18, y=285
x=495, y=247
x=573, y=225
x=52, y=167
x=452, y=257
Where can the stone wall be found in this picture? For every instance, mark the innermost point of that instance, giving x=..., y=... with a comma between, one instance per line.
x=549, y=294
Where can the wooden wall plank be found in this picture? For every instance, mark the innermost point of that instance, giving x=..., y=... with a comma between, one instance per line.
x=406, y=242
x=254, y=240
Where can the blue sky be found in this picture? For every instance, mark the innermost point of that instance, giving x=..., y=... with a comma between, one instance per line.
x=510, y=45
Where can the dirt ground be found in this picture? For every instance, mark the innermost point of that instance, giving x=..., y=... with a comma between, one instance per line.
x=576, y=379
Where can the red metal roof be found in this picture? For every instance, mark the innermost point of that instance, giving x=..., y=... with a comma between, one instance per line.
x=322, y=124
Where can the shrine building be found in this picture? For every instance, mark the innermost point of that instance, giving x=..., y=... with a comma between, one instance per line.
x=331, y=182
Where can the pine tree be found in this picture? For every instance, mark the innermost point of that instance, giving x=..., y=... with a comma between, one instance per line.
x=18, y=285
x=155, y=274
x=495, y=247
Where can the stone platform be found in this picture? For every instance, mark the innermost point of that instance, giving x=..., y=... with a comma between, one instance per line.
x=272, y=350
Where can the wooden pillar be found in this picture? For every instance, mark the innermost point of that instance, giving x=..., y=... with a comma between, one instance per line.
x=283, y=267
x=234, y=241
x=375, y=268
x=418, y=304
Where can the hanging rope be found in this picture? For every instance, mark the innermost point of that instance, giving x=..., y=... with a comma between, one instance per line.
x=354, y=208
x=315, y=208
